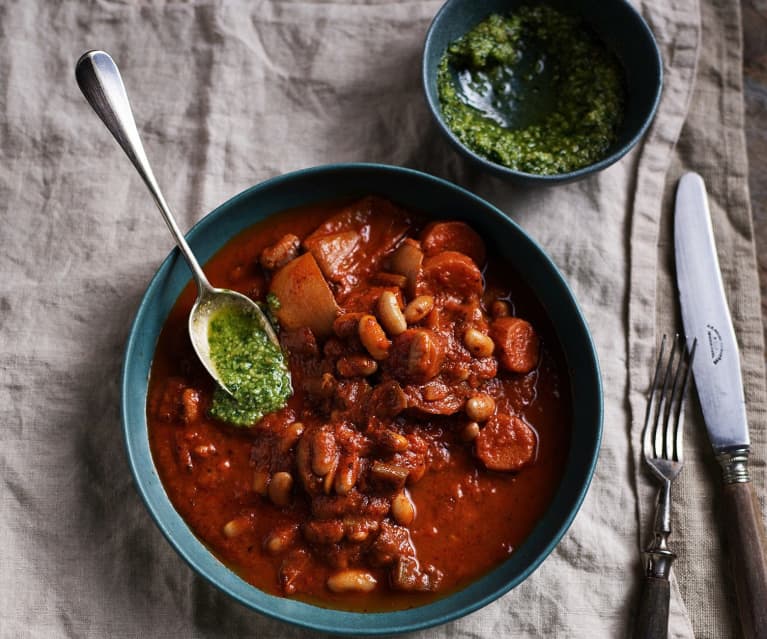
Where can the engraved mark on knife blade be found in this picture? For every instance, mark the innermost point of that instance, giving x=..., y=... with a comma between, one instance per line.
x=714, y=343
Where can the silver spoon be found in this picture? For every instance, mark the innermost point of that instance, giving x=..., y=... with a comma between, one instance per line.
x=99, y=80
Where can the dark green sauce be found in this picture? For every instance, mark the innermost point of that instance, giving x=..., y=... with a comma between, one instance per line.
x=250, y=365
x=534, y=91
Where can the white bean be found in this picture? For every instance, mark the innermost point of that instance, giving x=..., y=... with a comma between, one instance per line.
x=356, y=366
x=236, y=526
x=418, y=308
x=390, y=314
x=480, y=408
x=407, y=260
x=279, y=540
x=324, y=452
x=280, y=487
x=402, y=508
x=373, y=337
x=469, y=432
x=291, y=436
x=479, y=344
x=351, y=581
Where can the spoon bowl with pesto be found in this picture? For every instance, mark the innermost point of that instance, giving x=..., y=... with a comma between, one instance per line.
x=541, y=92
x=231, y=335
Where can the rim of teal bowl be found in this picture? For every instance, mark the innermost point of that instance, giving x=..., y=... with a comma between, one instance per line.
x=559, y=178
x=204, y=563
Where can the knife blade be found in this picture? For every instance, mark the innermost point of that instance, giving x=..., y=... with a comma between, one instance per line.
x=716, y=370
x=706, y=316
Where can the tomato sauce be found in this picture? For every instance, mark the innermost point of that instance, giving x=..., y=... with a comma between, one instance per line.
x=371, y=490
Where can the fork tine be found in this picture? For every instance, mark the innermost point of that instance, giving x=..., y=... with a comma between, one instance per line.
x=663, y=429
x=679, y=412
x=649, y=421
x=661, y=416
x=673, y=403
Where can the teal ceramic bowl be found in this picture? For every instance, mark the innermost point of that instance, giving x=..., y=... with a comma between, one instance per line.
x=618, y=26
x=431, y=196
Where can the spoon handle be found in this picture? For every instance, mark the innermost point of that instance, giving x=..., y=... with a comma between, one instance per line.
x=99, y=80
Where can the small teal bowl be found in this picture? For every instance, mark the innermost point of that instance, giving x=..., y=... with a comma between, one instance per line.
x=433, y=197
x=615, y=22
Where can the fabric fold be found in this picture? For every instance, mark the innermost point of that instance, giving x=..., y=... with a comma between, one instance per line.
x=681, y=37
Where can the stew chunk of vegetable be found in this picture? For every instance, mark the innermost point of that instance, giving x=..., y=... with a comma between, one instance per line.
x=304, y=297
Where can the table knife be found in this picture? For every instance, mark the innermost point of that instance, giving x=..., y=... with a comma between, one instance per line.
x=717, y=375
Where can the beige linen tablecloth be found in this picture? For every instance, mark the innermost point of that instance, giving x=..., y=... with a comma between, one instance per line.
x=228, y=94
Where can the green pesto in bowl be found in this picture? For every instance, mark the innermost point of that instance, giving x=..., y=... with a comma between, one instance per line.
x=534, y=90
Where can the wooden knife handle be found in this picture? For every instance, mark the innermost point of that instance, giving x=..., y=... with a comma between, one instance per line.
x=748, y=553
x=652, y=618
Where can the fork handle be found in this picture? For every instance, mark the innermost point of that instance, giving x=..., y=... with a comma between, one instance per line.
x=652, y=618
x=748, y=554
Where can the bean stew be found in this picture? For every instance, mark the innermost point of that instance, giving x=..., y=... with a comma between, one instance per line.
x=429, y=425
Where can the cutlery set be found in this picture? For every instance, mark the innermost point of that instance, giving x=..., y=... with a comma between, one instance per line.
x=716, y=369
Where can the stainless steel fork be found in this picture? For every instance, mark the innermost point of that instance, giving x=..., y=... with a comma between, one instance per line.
x=662, y=450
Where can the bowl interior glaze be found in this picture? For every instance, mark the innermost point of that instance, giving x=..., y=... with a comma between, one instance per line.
x=615, y=22
x=431, y=196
